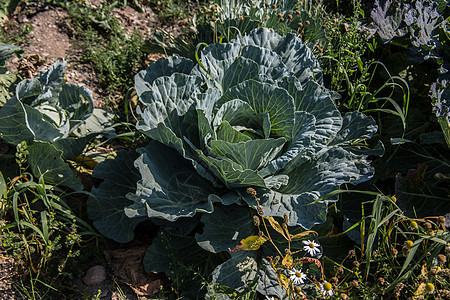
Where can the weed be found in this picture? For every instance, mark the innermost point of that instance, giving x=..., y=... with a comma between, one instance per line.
x=170, y=9
x=397, y=258
x=40, y=231
x=114, y=54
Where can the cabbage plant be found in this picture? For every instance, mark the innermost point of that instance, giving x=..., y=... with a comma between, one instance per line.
x=56, y=120
x=252, y=113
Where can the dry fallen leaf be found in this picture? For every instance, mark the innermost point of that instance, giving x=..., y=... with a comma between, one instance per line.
x=128, y=269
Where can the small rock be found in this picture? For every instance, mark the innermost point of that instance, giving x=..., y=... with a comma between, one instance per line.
x=95, y=275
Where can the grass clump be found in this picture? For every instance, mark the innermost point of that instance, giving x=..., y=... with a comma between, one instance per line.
x=43, y=235
x=114, y=54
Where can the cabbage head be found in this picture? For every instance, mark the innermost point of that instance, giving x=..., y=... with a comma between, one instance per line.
x=56, y=120
x=252, y=113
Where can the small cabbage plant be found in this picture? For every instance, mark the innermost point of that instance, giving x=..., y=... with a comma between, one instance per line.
x=56, y=120
x=252, y=113
x=439, y=93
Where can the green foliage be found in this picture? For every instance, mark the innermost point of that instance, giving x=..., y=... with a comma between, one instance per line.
x=55, y=120
x=248, y=150
x=230, y=18
x=114, y=54
x=170, y=9
x=398, y=257
x=439, y=97
x=6, y=8
x=7, y=78
x=44, y=235
x=248, y=114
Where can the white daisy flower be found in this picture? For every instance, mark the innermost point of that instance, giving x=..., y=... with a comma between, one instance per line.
x=297, y=276
x=311, y=247
x=326, y=289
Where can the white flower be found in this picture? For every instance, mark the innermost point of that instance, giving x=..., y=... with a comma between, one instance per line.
x=311, y=247
x=297, y=276
x=326, y=289
x=270, y=298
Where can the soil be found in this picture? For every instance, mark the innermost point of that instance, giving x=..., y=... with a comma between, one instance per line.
x=47, y=43
x=7, y=274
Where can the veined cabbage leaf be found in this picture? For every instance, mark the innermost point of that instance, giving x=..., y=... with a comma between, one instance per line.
x=56, y=119
x=251, y=113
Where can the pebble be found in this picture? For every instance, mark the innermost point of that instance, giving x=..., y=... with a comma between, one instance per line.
x=95, y=275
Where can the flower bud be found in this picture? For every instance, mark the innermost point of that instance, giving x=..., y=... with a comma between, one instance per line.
x=256, y=221
x=351, y=253
x=429, y=287
x=394, y=252
x=260, y=210
x=251, y=191
x=442, y=259
x=276, y=260
x=286, y=218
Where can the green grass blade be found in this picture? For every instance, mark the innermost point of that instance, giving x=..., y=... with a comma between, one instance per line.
x=411, y=254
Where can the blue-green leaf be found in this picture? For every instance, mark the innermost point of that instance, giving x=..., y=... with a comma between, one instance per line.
x=225, y=228
x=355, y=125
x=237, y=272
x=266, y=98
x=229, y=173
x=77, y=101
x=302, y=133
x=20, y=122
x=107, y=203
x=227, y=133
x=316, y=100
x=170, y=187
x=240, y=70
x=162, y=67
x=294, y=54
x=179, y=257
x=252, y=154
x=46, y=161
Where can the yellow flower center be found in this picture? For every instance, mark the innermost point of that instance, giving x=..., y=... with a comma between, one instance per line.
x=311, y=245
x=430, y=287
x=327, y=286
x=413, y=224
x=409, y=243
x=298, y=274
